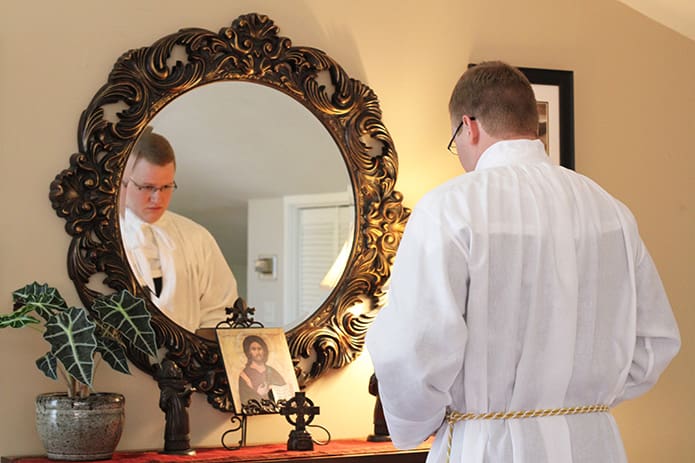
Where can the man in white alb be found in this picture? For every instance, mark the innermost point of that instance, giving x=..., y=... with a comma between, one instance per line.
x=176, y=258
x=520, y=286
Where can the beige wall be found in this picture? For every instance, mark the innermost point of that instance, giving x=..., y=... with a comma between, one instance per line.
x=634, y=100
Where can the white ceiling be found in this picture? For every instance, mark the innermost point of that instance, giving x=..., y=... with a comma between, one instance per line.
x=678, y=15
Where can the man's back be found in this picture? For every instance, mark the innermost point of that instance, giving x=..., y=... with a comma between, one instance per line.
x=519, y=285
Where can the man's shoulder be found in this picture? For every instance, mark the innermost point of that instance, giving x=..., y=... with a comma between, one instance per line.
x=453, y=200
x=599, y=190
x=460, y=186
x=183, y=222
x=186, y=229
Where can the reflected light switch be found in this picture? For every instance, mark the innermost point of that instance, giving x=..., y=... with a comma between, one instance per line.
x=265, y=267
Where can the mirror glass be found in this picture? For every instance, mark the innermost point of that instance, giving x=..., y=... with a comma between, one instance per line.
x=265, y=177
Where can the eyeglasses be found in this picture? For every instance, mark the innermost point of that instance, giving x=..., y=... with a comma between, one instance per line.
x=452, y=146
x=151, y=189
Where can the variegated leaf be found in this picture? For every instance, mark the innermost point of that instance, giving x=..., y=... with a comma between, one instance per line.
x=113, y=354
x=72, y=340
x=18, y=318
x=44, y=299
x=49, y=365
x=128, y=315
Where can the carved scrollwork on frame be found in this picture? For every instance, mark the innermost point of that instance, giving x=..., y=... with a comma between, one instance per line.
x=142, y=82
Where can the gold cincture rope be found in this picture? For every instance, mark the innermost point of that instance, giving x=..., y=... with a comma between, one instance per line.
x=452, y=417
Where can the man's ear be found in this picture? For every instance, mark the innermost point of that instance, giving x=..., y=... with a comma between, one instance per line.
x=471, y=129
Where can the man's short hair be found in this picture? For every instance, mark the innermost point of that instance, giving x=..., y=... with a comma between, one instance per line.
x=248, y=340
x=153, y=148
x=499, y=96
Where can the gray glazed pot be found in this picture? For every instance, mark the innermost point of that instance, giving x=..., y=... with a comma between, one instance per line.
x=80, y=429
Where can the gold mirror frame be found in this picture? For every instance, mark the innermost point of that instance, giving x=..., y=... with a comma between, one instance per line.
x=141, y=83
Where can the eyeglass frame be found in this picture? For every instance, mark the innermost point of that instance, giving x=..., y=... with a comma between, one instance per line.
x=453, y=137
x=151, y=189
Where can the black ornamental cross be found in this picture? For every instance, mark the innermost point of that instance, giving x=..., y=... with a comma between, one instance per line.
x=303, y=408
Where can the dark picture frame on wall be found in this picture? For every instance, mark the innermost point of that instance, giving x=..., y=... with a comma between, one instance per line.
x=554, y=91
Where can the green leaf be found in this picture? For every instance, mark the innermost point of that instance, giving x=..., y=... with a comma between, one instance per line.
x=18, y=318
x=44, y=299
x=49, y=365
x=128, y=315
x=72, y=340
x=113, y=354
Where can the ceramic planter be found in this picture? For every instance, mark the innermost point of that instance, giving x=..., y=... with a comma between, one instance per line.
x=80, y=429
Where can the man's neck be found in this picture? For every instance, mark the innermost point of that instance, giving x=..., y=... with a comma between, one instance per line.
x=258, y=366
x=486, y=141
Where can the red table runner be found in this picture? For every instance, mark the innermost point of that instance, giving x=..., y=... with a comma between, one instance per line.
x=267, y=452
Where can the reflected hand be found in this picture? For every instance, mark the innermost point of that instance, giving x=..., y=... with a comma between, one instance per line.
x=262, y=390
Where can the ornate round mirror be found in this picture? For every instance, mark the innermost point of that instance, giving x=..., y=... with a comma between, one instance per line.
x=142, y=86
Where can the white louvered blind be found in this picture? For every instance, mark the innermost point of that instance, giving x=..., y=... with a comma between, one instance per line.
x=323, y=231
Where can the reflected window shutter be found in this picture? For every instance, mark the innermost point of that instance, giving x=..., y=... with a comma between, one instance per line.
x=323, y=232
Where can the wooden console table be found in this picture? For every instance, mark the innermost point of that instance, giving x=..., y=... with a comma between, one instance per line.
x=338, y=451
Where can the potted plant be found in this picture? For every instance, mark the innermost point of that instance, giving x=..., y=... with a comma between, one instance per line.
x=81, y=424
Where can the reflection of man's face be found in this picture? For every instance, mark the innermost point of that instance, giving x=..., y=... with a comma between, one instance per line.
x=257, y=352
x=149, y=205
